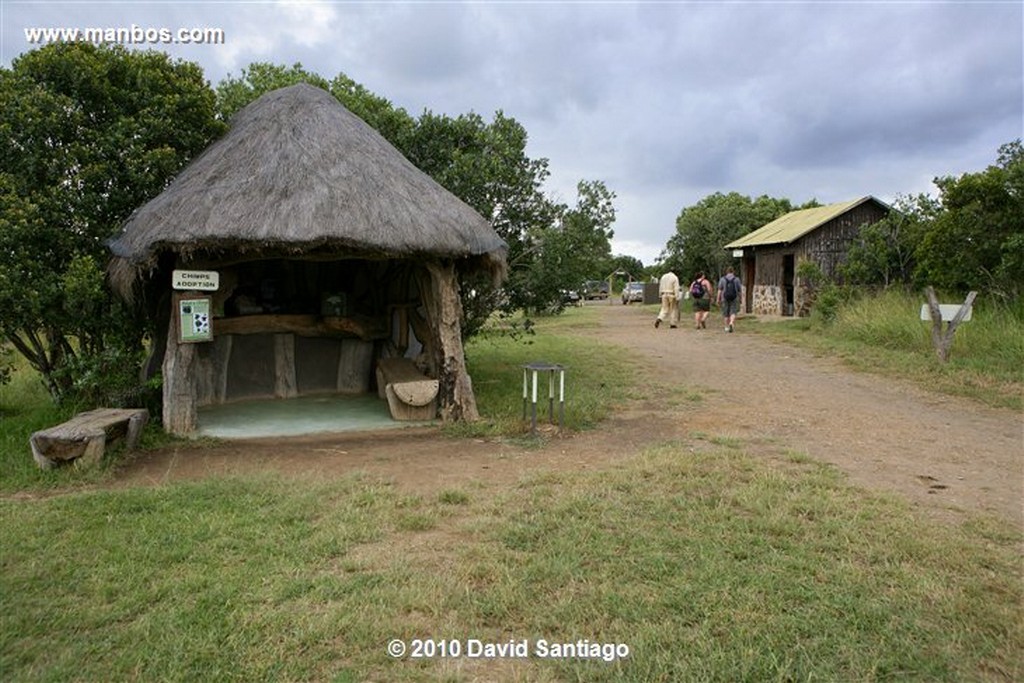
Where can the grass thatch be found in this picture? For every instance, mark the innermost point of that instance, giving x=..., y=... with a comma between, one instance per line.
x=299, y=173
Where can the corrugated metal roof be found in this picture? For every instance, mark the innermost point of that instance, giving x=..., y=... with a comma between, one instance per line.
x=795, y=224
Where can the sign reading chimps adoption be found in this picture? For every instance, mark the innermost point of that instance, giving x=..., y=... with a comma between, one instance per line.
x=196, y=280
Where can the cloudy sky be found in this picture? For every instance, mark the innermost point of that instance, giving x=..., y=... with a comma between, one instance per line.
x=665, y=102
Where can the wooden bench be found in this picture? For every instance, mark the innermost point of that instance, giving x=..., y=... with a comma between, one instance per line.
x=411, y=395
x=84, y=437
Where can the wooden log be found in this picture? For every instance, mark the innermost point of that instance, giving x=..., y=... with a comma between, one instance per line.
x=304, y=325
x=410, y=394
x=285, y=384
x=355, y=361
x=221, y=358
x=84, y=437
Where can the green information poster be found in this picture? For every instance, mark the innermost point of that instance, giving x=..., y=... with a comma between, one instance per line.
x=195, y=320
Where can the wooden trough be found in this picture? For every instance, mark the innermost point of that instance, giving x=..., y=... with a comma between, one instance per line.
x=84, y=437
x=411, y=395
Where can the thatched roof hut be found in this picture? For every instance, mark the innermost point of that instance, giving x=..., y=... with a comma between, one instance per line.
x=302, y=203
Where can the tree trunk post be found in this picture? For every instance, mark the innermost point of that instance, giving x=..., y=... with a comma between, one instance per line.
x=943, y=340
x=179, y=413
x=440, y=293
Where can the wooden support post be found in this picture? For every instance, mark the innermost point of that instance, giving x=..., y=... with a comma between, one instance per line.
x=285, y=384
x=943, y=340
x=179, y=414
x=440, y=293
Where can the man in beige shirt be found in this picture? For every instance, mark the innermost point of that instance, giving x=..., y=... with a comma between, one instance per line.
x=668, y=288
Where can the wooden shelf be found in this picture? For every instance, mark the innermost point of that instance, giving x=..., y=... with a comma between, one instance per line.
x=303, y=325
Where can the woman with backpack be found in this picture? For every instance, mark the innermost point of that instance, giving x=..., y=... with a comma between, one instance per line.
x=730, y=297
x=700, y=292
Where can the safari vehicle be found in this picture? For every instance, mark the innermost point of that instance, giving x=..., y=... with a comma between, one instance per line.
x=633, y=292
x=570, y=297
x=595, y=289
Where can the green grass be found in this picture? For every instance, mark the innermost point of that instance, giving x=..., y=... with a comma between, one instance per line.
x=707, y=563
x=598, y=376
x=25, y=407
x=884, y=334
x=709, y=566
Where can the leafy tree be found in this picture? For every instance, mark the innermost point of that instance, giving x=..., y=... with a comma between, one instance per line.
x=568, y=252
x=260, y=78
x=234, y=93
x=87, y=135
x=628, y=264
x=485, y=165
x=884, y=252
x=977, y=235
x=704, y=229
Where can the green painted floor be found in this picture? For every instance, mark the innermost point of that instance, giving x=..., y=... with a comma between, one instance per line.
x=296, y=416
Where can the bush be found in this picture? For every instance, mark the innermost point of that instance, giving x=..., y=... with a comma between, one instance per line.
x=827, y=302
x=109, y=378
x=6, y=364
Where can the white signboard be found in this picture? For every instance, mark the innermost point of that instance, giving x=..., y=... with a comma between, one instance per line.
x=196, y=280
x=737, y=253
x=948, y=312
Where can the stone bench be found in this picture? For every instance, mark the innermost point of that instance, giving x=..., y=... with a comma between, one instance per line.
x=84, y=437
x=411, y=395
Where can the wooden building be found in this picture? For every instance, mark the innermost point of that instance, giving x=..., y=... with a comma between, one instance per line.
x=325, y=250
x=770, y=255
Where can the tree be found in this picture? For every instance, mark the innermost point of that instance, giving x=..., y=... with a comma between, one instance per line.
x=258, y=79
x=704, y=229
x=977, y=235
x=884, y=252
x=576, y=247
x=262, y=77
x=628, y=264
x=486, y=165
x=87, y=135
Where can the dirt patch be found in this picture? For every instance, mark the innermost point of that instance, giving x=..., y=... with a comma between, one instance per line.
x=950, y=456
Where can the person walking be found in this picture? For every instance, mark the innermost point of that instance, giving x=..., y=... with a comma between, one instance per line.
x=668, y=288
x=700, y=292
x=730, y=297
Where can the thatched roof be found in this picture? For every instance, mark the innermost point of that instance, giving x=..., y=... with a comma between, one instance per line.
x=298, y=172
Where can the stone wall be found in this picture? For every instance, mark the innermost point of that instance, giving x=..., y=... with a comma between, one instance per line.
x=767, y=300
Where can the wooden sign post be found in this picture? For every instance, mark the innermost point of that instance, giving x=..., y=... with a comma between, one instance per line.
x=951, y=314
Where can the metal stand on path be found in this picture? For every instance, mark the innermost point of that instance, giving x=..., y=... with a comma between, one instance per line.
x=530, y=373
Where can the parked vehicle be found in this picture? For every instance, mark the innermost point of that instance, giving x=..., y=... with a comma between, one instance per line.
x=633, y=292
x=570, y=297
x=595, y=289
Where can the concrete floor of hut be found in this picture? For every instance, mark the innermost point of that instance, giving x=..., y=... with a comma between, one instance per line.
x=297, y=416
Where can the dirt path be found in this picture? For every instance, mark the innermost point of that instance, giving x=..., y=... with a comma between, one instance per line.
x=948, y=455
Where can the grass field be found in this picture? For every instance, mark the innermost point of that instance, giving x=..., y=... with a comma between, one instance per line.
x=707, y=564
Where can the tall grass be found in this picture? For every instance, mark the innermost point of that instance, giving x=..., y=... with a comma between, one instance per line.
x=26, y=407
x=884, y=333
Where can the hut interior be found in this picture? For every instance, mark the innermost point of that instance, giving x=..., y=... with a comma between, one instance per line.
x=303, y=329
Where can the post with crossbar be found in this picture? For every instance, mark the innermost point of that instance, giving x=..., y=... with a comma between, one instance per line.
x=943, y=340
